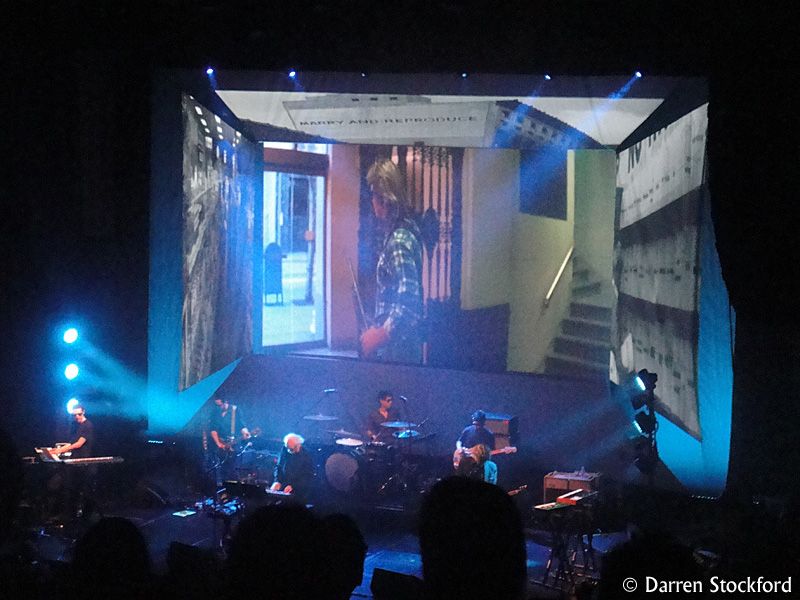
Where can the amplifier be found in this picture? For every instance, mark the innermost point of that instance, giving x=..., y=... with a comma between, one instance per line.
x=558, y=483
x=505, y=429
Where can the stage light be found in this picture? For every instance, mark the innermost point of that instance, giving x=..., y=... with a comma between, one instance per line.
x=638, y=74
x=209, y=71
x=646, y=380
x=363, y=74
x=198, y=110
x=645, y=422
x=292, y=73
x=70, y=335
x=547, y=78
x=71, y=404
x=463, y=76
x=71, y=371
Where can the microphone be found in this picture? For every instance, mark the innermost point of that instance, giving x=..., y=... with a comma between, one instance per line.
x=328, y=390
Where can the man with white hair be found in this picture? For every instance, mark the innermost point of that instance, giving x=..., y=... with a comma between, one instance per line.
x=294, y=472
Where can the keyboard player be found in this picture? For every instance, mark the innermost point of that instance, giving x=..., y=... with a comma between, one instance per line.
x=81, y=446
x=78, y=483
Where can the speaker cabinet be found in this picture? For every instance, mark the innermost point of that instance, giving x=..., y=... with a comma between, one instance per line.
x=505, y=429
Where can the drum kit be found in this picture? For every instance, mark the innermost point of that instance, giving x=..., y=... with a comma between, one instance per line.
x=356, y=467
x=366, y=468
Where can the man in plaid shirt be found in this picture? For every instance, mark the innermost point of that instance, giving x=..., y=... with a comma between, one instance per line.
x=395, y=336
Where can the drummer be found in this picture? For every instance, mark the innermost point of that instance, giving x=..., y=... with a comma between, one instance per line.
x=383, y=413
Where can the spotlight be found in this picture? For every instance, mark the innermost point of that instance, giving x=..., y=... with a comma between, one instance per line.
x=70, y=335
x=464, y=75
x=73, y=402
x=638, y=74
x=646, y=380
x=71, y=371
x=292, y=73
x=547, y=77
x=209, y=71
x=363, y=74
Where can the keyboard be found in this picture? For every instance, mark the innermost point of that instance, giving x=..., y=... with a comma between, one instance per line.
x=93, y=460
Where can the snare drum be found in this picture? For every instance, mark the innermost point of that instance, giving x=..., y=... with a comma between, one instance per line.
x=350, y=442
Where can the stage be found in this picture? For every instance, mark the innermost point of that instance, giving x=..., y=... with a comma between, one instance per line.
x=393, y=545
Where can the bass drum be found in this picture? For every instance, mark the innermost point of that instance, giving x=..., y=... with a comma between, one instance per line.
x=344, y=472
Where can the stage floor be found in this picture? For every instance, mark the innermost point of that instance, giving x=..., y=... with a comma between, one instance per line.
x=390, y=536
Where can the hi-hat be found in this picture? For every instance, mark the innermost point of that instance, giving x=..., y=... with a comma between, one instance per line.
x=320, y=417
x=343, y=433
x=406, y=434
x=398, y=424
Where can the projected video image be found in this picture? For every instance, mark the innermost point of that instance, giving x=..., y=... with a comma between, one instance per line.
x=219, y=189
x=461, y=257
x=496, y=250
x=523, y=245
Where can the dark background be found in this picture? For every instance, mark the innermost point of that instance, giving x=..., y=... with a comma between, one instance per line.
x=76, y=125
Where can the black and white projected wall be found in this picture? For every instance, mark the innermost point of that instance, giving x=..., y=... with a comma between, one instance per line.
x=219, y=189
x=656, y=263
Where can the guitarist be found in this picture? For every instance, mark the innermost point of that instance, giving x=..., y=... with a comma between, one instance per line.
x=476, y=433
x=395, y=335
x=225, y=426
x=476, y=464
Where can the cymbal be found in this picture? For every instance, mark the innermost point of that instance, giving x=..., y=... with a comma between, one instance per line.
x=343, y=433
x=320, y=417
x=406, y=434
x=398, y=424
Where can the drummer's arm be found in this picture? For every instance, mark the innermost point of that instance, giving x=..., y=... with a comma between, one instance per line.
x=372, y=428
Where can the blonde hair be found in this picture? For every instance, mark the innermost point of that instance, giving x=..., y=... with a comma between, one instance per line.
x=385, y=178
x=481, y=452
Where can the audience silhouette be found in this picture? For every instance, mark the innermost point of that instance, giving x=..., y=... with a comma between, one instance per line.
x=343, y=556
x=111, y=560
x=278, y=548
x=472, y=542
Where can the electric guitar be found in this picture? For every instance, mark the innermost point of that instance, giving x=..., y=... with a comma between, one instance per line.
x=516, y=491
x=459, y=454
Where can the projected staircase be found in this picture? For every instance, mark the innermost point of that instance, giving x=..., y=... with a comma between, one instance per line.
x=582, y=348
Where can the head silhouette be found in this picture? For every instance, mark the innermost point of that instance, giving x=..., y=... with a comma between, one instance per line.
x=472, y=542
